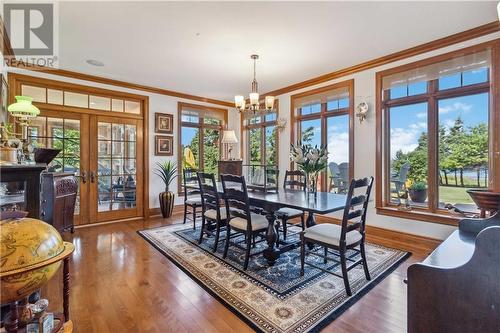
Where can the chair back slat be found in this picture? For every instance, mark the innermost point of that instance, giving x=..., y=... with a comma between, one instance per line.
x=190, y=182
x=294, y=180
x=208, y=189
x=236, y=197
x=353, y=201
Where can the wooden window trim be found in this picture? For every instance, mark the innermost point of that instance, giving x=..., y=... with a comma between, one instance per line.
x=201, y=126
x=324, y=115
x=432, y=213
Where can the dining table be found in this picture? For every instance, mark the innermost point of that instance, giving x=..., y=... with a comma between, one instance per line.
x=270, y=202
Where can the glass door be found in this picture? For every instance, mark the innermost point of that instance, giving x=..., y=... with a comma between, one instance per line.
x=115, y=168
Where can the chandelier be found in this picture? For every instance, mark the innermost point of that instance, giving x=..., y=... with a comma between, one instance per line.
x=254, y=106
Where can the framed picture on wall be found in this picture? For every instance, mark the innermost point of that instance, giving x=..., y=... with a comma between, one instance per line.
x=3, y=99
x=164, y=123
x=164, y=145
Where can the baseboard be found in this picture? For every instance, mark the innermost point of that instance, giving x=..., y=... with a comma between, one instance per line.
x=156, y=212
x=392, y=238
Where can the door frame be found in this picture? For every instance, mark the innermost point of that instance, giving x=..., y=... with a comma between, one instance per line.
x=15, y=87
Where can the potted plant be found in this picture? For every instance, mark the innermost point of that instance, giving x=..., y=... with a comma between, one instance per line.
x=167, y=172
x=311, y=160
x=418, y=191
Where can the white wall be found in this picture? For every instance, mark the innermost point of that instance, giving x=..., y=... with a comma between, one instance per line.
x=157, y=103
x=364, y=139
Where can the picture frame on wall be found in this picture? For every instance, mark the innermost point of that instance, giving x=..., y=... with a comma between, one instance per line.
x=164, y=145
x=164, y=123
x=4, y=89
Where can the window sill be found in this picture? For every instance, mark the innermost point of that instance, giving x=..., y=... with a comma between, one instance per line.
x=420, y=215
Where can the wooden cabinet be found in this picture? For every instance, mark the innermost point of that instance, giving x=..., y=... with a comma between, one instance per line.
x=59, y=190
x=231, y=167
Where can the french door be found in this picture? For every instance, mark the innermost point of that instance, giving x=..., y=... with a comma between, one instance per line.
x=115, y=173
x=105, y=154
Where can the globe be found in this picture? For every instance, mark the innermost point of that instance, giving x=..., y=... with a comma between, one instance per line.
x=30, y=254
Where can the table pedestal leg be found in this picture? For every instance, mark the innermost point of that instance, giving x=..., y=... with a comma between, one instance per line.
x=270, y=253
x=66, y=288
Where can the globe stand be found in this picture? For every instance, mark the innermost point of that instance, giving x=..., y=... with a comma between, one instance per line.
x=12, y=319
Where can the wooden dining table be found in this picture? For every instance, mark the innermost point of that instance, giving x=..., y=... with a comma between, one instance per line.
x=270, y=202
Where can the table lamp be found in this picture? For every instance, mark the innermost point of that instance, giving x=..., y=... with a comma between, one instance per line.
x=229, y=138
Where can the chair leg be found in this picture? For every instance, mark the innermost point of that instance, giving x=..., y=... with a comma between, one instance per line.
x=365, y=264
x=226, y=247
x=283, y=220
x=194, y=217
x=216, y=241
x=253, y=240
x=303, y=221
x=325, y=258
x=185, y=213
x=202, y=229
x=302, y=253
x=247, y=254
x=343, y=264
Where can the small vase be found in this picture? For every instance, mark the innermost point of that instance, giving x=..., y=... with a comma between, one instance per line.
x=166, y=203
x=312, y=183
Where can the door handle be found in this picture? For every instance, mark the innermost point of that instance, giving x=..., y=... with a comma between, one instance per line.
x=84, y=177
x=92, y=177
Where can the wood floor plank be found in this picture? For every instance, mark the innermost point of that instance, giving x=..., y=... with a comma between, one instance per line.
x=120, y=283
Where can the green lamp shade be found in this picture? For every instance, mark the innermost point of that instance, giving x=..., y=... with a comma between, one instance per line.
x=23, y=108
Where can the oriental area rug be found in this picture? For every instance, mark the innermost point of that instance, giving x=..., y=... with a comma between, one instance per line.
x=277, y=298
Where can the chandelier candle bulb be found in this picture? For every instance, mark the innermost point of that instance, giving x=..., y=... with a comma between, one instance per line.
x=269, y=102
x=254, y=98
x=239, y=102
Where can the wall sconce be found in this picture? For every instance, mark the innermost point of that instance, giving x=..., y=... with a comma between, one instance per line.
x=280, y=124
x=362, y=111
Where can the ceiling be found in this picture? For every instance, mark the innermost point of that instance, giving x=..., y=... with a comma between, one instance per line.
x=204, y=48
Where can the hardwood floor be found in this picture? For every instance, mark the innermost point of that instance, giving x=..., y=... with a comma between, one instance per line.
x=120, y=283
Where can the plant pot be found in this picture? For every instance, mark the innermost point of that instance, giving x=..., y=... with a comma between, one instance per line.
x=166, y=203
x=418, y=195
x=8, y=154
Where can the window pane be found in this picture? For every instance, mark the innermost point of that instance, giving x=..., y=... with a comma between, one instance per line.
x=270, y=117
x=475, y=76
x=310, y=109
x=332, y=105
x=37, y=93
x=417, y=88
x=54, y=96
x=450, y=81
x=255, y=145
x=463, y=148
x=271, y=145
x=338, y=153
x=211, y=121
x=76, y=99
x=343, y=103
x=100, y=103
x=117, y=105
x=311, y=132
x=190, y=141
x=190, y=119
x=211, y=149
x=399, y=91
x=408, y=151
x=255, y=120
x=132, y=107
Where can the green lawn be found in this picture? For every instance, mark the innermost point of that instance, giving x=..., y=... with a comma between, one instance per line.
x=454, y=195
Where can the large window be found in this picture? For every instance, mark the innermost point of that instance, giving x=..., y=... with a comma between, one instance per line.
x=261, y=138
x=434, y=127
x=199, y=136
x=323, y=117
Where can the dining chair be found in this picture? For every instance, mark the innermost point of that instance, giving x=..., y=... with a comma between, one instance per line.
x=341, y=238
x=213, y=217
x=241, y=219
x=192, y=197
x=294, y=180
x=344, y=177
x=334, y=175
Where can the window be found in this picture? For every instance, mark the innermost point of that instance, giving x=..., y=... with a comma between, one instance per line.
x=199, y=136
x=261, y=138
x=324, y=117
x=433, y=126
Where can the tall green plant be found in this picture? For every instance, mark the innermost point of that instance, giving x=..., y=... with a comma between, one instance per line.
x=167, y=171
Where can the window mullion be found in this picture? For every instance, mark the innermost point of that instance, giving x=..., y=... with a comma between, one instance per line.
x=432, y=147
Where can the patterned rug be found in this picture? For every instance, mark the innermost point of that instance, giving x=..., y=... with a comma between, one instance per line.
x=277, y=298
